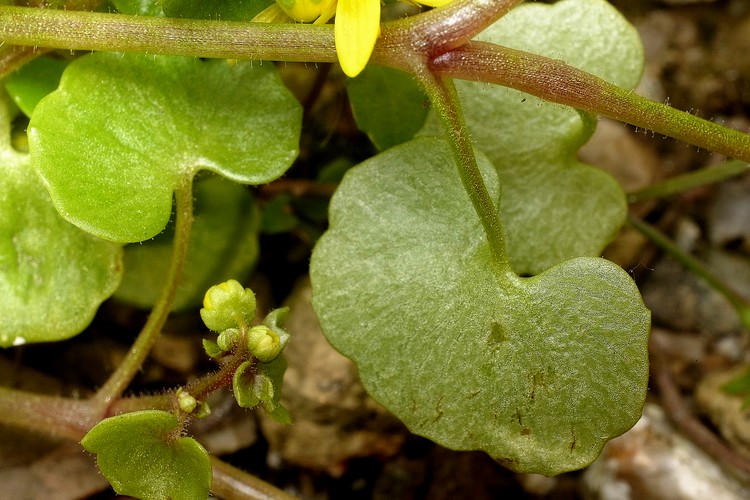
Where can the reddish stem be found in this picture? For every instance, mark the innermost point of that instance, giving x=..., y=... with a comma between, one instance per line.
x=558, y=82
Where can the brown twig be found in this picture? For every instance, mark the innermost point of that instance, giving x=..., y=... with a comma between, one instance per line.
x=681, y=415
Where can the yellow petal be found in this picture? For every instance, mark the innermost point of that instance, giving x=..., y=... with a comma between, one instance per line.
x=356, y=29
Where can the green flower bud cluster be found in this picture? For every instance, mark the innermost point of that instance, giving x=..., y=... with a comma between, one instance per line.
x=228, y=309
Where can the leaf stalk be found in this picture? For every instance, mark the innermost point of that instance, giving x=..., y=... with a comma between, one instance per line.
x=444, y=98
x=126, y=371
x=688, y=181
x=558, y=82
x=739, y=303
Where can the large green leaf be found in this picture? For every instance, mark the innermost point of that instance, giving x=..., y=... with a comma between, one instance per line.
x=142, y=455
x=554, y=207
x=122, y=132
x=539, y=372
x=53, y=276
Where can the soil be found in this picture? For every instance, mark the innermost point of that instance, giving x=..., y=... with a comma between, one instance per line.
x=694, y=438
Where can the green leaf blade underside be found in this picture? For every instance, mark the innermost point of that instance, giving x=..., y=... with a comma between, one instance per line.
x=538, y=372
x=223, y=244
x=554, y=208
x=140, y=456
x=53, y=276
x=122, y=132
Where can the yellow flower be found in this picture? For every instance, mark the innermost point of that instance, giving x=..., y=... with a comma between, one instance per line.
x=357, y=24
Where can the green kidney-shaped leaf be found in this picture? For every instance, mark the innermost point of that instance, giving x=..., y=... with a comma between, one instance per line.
x=223, y=245
x=538, y=372
x=140, y=455
x=553, y=206
x=123, y=131
x=53, y=276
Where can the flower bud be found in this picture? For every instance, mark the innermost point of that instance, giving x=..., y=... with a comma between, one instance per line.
x=186, y=401
x=263, y=343
x=227, y=305
x=227, y=339
x=307, y=11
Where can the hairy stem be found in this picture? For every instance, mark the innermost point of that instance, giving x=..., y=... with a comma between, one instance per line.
x=442, y=94
x=72, y=419
x=123, y=375
x=158, y=35
x=401, y=43
x=429, y=34
x=52, y=415
x=556, y=81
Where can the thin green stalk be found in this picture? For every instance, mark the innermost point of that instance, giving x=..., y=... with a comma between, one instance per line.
x=199, y=388
x=123, y=375
x=688, y=181
x=696, y=267
x=442, y=94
